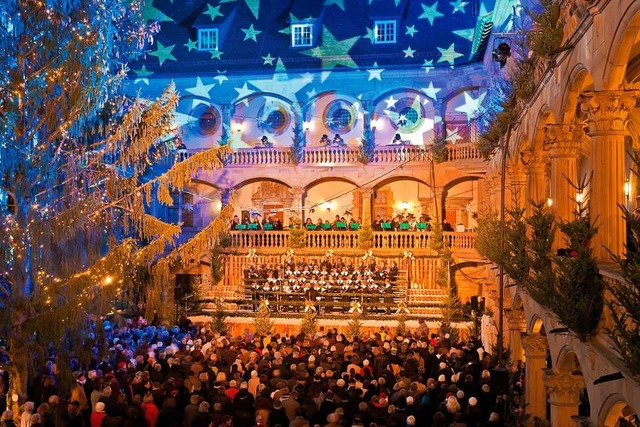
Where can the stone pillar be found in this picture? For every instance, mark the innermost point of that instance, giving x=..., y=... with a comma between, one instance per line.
x=227, y=111
x=535, y=352
x=517, y=326
x=297, y=206
x=563, y=143
x=298, y=119
x=535, y=163
x=517, y=187
x=607, y=113
x=564, y=396
x=365, y=195
x=492, y=189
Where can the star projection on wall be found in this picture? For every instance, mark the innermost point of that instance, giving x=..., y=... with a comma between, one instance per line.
x=333, y=52
x=430, y=13
x=471, y=105
x=250, y=33
x=163, y=53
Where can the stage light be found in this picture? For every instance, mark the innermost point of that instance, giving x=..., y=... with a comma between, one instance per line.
x=501, y=53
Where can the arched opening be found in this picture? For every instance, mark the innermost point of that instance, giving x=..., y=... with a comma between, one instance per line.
x=618, y=413
x=264, y=200
x=568, y=363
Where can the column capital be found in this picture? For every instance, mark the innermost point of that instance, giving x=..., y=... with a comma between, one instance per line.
x=297, y=191
x=607, y=111
x=534, y=161
x=535, y=346
x=563, y=389
x=563, y=140
x=516, y=320
x=517, y=174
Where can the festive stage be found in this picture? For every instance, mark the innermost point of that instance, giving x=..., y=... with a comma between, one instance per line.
x=290, y=324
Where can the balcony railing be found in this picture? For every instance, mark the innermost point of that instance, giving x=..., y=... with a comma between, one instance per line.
x=397, y=240
x=335, y=155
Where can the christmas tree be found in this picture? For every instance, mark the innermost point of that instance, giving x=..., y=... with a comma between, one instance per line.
x=355, y=322
x=262, y=322
x=76, y=177
x=310, y=319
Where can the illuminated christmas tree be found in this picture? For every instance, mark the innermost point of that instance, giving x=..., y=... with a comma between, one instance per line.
x=76, y=175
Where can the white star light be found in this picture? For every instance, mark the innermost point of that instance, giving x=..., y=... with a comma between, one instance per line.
x=471, y=106
x=431, y=91
x=244, y=91
x=200, y=89
x=250, y=33
x=430, y=12
x=391, y=102
x=375, y=73
x=268, y=60
x=449, y=55
x=453, y=136
x=142, y=74
x=408, y=52
x=411, y=30
x=459, y=5
x=428, y=65
x=220, y=77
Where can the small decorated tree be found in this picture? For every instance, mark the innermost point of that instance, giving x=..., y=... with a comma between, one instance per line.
x=365, y=237
x=368, y=146
x=262, y=323
x=401, y=317
x=297, y=233
x=310, y=319
x=355, y=320
x=219, y=321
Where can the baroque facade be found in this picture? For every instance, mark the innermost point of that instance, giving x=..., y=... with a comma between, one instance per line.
x=293, y=71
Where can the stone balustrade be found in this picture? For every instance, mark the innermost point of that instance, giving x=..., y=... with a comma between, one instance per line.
x=335, y=155
x=393, y=240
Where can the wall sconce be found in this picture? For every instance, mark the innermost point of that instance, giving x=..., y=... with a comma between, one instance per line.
x=306, y=126
x=579, y=197
x=327, y=206
x=238, y=126
x=376, y=124
x=405, y=206
x=549, y=202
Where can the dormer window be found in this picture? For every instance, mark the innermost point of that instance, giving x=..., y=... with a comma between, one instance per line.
x=385, y=32
x=207, y=39
x=301, y=35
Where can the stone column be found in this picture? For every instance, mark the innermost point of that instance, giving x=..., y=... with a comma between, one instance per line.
x=492, y=188
x=517, y=326
x=563, y=143
x=517, y=187
x=535, y=352
x=607, y=113
x=564, y=396
x=365, y=195
x=227, y=112
x=535, y=163
x=297, y=206
x=298, y=120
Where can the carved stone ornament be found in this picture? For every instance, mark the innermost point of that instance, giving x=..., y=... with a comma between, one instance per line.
x=534, y=161
x=563, y=389
x=607, y=111
x=535, y=346
x=563, y=140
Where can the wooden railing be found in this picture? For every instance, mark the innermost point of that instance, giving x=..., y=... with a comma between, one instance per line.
x=400, y=240
x=333, y=155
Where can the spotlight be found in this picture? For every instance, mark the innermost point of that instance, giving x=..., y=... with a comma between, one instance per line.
x=501, y=53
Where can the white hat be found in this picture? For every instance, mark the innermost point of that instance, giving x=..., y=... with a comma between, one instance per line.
x=473, y=401
x=365, y=362
x=411, y=420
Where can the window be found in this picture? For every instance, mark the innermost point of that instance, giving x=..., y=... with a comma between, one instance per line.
x=385, y=32
x=208, y=39
x=301, y=35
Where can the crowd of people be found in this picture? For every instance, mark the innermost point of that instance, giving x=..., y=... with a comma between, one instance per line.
x=335, y=283
x=156, y=376
x=400, y=222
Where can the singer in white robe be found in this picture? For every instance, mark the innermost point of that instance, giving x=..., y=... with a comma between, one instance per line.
x=489, y=333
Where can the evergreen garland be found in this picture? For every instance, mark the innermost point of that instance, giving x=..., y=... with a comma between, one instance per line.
x=546, y=38
x=488, y=246
x=516, y=259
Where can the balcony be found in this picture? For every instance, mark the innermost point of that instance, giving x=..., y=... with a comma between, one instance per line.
x=314, y=156
x=392, y=241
